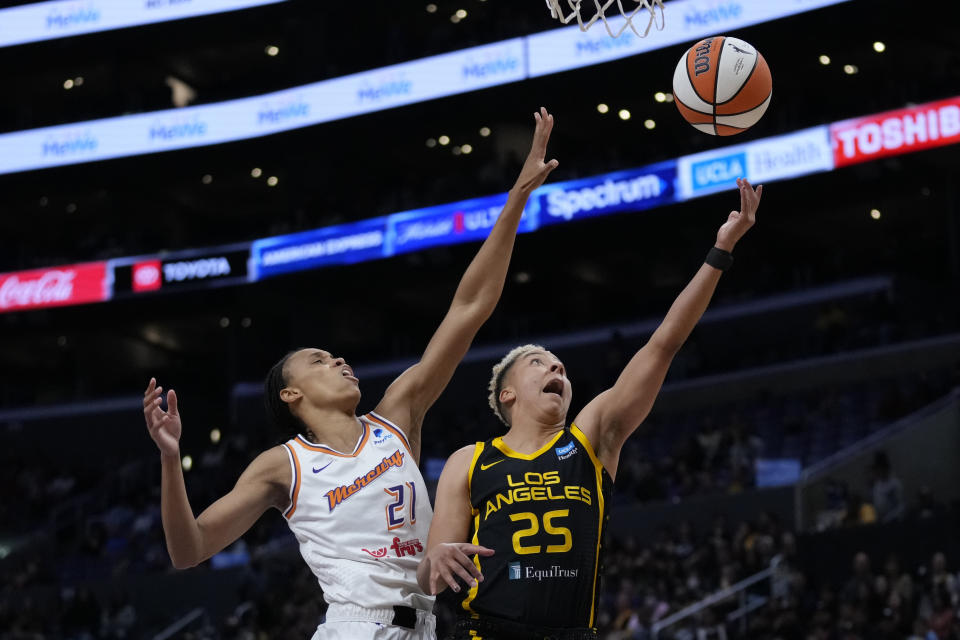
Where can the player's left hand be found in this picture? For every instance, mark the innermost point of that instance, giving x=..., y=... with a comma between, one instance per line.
x=738, y=222
x=451, y=560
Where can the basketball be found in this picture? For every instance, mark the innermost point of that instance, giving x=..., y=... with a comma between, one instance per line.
x=722, y=86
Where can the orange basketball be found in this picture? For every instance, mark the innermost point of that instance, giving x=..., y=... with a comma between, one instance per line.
x=722, y=86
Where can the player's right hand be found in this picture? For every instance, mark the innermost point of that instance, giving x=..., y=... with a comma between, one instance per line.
x=164, y=426
x=453, y=558
x=535, y=170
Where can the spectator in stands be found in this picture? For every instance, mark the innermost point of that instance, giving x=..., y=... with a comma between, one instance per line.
x=860, y=587
x=887, y=490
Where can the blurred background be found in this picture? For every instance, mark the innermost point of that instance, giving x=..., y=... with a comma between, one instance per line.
x=798, y=476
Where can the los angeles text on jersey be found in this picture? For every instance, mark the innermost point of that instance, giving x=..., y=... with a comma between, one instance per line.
x=341, y=493
x=536, y=486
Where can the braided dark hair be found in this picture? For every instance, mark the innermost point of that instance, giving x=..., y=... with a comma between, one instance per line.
x=278, y=412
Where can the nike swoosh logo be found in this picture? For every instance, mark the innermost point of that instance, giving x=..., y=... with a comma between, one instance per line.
x=484, y=467
x=315, y=470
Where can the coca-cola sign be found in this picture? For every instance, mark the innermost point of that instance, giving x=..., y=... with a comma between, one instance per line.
x=56, y=287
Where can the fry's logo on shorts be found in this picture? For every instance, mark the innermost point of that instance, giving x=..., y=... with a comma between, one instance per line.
x=341, y=493
x=407, y=547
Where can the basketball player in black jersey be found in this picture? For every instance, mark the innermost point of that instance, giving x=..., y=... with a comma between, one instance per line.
x=520, y=518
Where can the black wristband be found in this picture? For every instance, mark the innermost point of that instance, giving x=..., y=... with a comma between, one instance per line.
x=719, y=259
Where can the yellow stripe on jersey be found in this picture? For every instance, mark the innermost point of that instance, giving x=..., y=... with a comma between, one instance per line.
x=476, y=561
x=477, y=450
x=507, y=451
x=598, y=468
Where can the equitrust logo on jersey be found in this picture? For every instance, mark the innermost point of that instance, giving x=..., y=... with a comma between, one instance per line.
x=518, y=571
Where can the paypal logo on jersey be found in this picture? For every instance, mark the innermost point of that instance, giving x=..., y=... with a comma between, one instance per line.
x=716, y=172
x=381, y=435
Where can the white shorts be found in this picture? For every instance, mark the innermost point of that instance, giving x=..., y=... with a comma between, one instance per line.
x=349, y=622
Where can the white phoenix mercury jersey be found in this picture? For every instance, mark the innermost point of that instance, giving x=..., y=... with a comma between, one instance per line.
x=361, y=518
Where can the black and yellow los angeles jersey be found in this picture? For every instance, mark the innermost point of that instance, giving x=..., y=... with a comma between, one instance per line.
x=544, y=516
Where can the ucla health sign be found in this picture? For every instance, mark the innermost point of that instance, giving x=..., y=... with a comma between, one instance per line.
x=64, y=18
x=631, y=190
x=765, y=160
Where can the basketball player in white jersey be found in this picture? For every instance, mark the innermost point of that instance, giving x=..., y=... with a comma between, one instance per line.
x=349, y=486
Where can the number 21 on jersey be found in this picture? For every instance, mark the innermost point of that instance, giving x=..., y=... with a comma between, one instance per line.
x=399, y=511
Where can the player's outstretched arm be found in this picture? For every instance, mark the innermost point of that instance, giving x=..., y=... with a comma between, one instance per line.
x=409, y=397
x=448, y=552
x=264, y=484
x=614, y=414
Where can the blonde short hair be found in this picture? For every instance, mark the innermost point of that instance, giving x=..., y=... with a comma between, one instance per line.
x=499, y=373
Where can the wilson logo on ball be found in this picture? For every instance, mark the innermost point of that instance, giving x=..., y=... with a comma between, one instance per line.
x=701, y=64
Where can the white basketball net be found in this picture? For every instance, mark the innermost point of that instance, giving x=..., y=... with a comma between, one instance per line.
x=578, y=11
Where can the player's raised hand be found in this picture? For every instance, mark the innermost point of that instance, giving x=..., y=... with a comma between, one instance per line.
x=164, y=426
x=535, y=170
x=452, y=559
x=738, y=222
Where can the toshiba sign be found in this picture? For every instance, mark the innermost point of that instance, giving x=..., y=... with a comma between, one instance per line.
x=56, y=287
x=888, y=134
